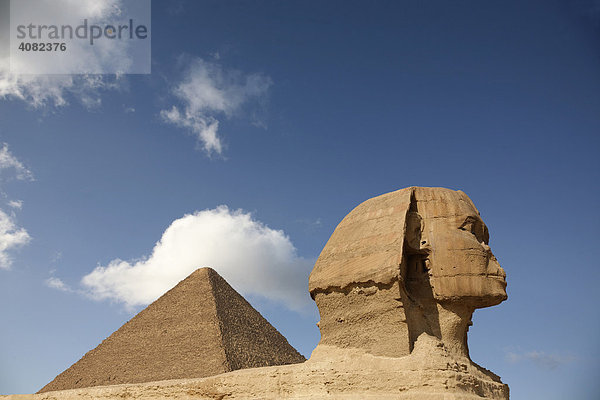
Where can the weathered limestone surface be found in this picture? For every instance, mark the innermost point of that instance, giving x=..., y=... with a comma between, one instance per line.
x=396, y=286
x=430, y=373
x=366, y=246
x=201, y=327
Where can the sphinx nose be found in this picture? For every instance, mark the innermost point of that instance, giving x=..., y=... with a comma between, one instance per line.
x=501, y=271
x=493, y=263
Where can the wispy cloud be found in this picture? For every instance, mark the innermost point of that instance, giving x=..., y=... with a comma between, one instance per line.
x=9, y=163
x=16, y=204
x=252, y=257
x=58, y=284
x=310, y=225
x=541, y=359
x=207, y=92
x=57, y=256
x=40, y=91
x=12, y=236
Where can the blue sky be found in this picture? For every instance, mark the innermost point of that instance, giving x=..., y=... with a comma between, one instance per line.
x=318, y=106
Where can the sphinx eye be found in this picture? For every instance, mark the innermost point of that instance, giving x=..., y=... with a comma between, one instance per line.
x=468, y=225
x=476, y=227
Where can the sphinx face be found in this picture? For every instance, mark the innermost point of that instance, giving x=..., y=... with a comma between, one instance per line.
x=460, y=262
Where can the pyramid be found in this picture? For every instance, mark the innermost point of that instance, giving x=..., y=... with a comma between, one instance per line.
x=201, y=327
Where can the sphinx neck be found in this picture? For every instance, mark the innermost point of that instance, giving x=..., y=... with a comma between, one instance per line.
x=454, y=320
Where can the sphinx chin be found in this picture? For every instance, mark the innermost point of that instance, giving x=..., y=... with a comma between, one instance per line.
x=476, y=291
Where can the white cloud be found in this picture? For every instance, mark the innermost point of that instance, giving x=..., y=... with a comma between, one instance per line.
x=204, y=127
x=11, y=237
x=17, y=204
x=540, y=359
x=209, y=91
x=252, y=257
x=9, y=162
x=39, y=90
x=56, y=283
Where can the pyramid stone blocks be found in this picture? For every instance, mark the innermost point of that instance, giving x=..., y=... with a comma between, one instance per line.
x=201, y=327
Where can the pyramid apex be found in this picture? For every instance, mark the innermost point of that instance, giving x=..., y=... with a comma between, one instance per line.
x=203, y=271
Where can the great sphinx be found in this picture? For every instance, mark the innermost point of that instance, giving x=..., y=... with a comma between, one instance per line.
x=411, y=262
x=396, y=286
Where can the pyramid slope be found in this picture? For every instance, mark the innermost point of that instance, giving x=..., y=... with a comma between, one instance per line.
x=249, y=339
x=186, y=333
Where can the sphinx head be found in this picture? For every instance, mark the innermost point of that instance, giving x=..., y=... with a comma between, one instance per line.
x=408, y=262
